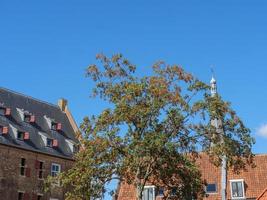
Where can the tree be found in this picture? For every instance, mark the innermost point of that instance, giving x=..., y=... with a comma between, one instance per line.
x=152, y=132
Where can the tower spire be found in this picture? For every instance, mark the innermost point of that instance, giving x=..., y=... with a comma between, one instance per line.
x=213, y=85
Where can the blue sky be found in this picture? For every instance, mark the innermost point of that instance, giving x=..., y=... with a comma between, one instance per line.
x=45, y=47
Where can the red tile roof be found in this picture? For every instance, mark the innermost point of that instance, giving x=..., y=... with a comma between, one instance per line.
x=263, y=195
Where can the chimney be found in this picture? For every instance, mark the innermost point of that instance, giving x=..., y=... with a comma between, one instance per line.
x=62, y=103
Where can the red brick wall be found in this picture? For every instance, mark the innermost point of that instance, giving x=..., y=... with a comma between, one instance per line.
x=11, y=181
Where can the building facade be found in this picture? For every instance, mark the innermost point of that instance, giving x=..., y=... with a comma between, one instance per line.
x=249, y=184
x=37, y=139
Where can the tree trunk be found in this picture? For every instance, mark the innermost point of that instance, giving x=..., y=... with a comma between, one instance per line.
x=139, y=192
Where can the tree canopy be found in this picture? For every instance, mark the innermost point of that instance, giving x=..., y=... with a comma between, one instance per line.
x=153, y=131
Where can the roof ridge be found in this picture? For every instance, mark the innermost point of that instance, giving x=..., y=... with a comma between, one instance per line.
x=29, y=97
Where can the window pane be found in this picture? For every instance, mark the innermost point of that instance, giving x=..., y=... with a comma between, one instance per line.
x=240, y=189
x=234, y=189
x=22, y=162
x=20, y=196
x=150, y=193
x=145, y=194
x=211, y=188
x=22, y=171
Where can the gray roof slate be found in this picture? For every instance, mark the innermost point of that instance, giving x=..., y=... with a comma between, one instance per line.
x=40, y=109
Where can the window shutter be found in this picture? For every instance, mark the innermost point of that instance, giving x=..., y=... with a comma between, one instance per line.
x=4, y=130
x=26, y=196
x=32, y=119
x=28, y=172
x=26, y=136
x=7, y=111
x=37, y=164
x=59, y=127
x=55, y=143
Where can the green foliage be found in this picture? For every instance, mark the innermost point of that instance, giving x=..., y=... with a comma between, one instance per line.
x=153, y=132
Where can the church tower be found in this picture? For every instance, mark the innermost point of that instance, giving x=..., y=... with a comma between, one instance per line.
x=217, y=123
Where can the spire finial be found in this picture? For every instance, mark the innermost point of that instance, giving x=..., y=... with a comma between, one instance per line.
x=213, y=84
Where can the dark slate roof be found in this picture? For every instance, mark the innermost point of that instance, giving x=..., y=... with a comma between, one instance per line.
x=40, y=109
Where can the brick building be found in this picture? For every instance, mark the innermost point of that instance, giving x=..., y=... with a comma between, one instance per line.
x=37, y=139
x=249, y=184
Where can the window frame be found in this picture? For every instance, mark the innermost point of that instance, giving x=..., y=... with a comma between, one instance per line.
x=22, y=167
x=21, y=192
x=243, y=188
x=57, y=183
x=20, y=135
x=216, y=188
x=50, y=141
x=29, y=118
x=40, y=171
x=154, y=192
x=59, y=167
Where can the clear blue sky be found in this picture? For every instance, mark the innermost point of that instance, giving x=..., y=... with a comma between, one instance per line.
x=45, y=47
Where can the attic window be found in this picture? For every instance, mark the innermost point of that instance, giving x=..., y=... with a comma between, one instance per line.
x=21, y=135
x=5, y=111
x=237, y=188
x=30, y=118
x=56, y=126
x=74, y=148
x=51, y=142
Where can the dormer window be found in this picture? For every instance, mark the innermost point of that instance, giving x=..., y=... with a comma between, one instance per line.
x=72, y=146
x=5, y=111
x=56, y=126
x=4, y=130
x=30, y=118
x=21, y=135
x=53, y=124
x=237, y=189
x=51, y=142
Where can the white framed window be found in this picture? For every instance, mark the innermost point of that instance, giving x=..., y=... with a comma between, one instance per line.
x=149, y=193
x=237, y=189
x=55, y=169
